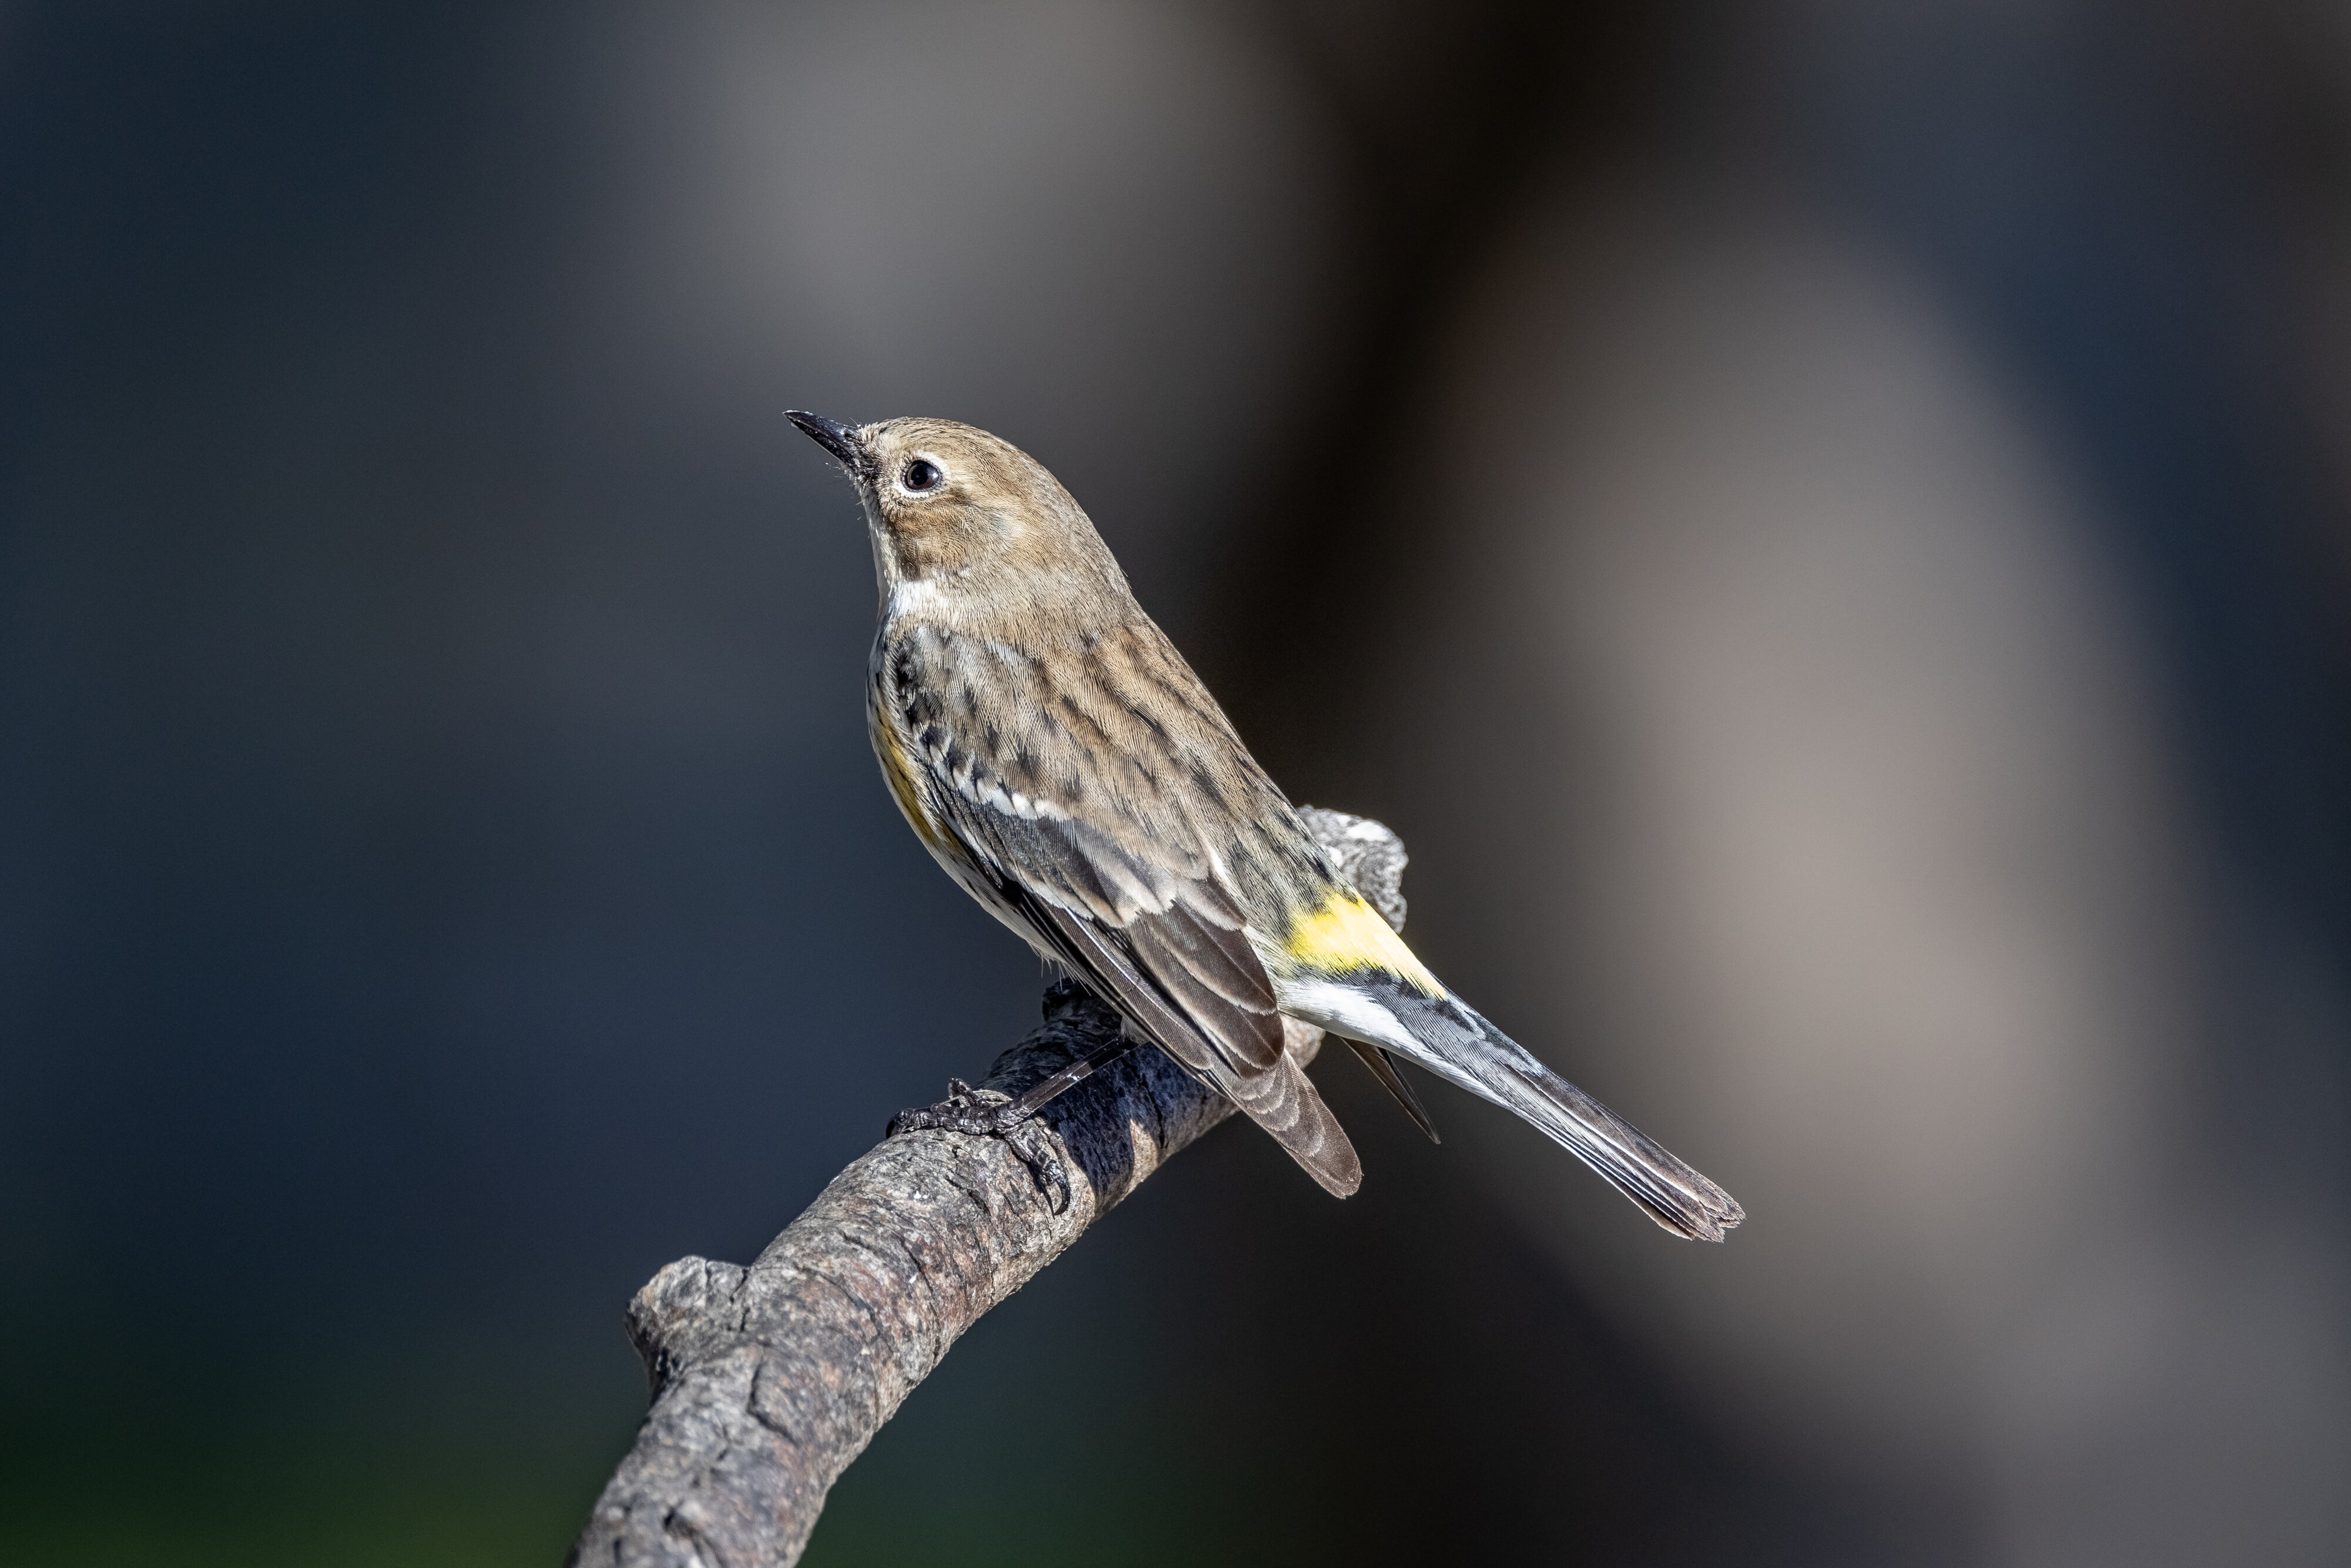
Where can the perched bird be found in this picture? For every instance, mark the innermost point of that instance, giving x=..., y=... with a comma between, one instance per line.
x=1054, y=752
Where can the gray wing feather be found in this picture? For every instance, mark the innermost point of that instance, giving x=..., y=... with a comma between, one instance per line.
x=1278, y=1097
x=1208, y=964
x=1185, y=973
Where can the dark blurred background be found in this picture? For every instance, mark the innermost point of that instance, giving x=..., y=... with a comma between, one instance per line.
x=1827, y=527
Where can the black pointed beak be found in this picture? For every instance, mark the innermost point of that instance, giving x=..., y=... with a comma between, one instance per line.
x=835, y=437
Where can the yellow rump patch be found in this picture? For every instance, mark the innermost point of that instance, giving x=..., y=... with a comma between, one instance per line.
x=1347, y=934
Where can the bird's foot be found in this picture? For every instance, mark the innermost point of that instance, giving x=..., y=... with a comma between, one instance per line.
x=983, y=1112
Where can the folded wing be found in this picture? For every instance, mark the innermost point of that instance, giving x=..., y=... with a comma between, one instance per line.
x=1154, y=935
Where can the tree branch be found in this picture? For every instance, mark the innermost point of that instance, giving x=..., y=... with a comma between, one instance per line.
x=767, y=1381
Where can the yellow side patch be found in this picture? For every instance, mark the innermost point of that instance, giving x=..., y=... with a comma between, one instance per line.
x=1347, y=934
x=901, y=777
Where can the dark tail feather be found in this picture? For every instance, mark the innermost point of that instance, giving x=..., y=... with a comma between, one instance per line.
x=1666, y=1187
x=1384, y=1068
x=1453, y=1041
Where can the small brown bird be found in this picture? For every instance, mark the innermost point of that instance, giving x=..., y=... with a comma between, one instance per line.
x=1051, y=748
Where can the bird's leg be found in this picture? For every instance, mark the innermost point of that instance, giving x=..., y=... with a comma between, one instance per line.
x=985, y=1113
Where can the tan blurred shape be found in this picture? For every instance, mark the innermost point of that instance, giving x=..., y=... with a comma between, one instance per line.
x=1865, y=883
x=1098, y=229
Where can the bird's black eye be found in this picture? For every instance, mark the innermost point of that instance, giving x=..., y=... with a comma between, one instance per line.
x=923, y=475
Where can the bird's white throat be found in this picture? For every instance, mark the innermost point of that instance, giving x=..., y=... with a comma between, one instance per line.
x=916, y=596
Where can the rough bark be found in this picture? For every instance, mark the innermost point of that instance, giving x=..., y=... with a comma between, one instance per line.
x=768, y=1380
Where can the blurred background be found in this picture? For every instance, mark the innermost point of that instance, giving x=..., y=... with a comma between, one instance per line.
x=1826, y=526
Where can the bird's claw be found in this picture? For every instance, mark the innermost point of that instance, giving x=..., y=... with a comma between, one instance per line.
x=983, y=1112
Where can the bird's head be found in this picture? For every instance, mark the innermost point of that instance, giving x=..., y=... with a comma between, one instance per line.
x=967, y=527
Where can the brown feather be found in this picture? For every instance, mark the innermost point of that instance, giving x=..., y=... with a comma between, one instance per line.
x=1279, y=1098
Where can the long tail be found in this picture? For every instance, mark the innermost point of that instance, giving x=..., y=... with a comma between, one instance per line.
x=1453, y=1041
